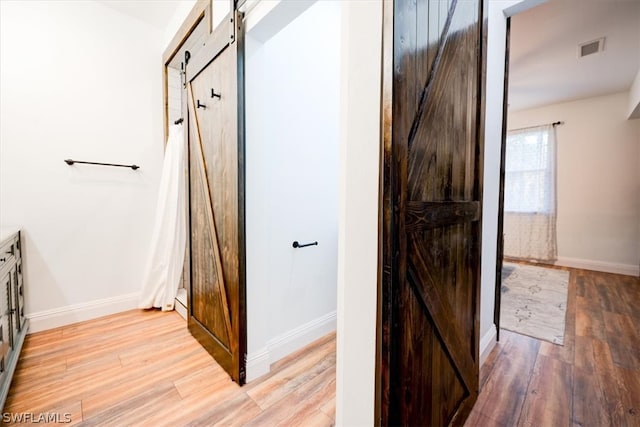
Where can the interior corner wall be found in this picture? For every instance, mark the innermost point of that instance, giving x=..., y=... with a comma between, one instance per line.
x=598, y=181
x=496, y=43
x=79, y=80
x=292, y=92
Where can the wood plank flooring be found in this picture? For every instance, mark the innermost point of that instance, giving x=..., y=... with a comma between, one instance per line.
x=144, y=368
x=593, y=380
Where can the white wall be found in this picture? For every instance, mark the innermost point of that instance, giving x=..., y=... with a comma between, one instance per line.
x=496, y=42
x=360, y=138
x=292, y=122
x=79, y=80
x=598, y=181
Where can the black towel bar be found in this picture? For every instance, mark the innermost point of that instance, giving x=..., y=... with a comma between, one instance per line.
x=70, y=162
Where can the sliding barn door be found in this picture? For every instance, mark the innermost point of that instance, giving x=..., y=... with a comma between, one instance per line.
x=432, y=208
x=216, y=192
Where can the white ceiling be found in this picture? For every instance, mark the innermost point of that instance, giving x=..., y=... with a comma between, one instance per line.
x=156, y=13
x=544, y=64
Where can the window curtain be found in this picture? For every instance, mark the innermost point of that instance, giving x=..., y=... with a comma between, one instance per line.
x=530, y=194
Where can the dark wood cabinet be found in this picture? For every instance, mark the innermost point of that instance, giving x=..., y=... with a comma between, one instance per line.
x=13, y=323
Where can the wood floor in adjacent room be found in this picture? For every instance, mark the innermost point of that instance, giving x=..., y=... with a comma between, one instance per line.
x=144, y=368
x=593, y=380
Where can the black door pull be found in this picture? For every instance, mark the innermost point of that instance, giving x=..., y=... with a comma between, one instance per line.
x=199, y=105
x=298, y=245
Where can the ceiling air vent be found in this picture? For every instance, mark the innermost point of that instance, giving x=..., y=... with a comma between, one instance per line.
x=591, y=47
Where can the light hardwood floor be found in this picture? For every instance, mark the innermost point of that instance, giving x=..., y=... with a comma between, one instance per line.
x=144, y=368
x=593, y=380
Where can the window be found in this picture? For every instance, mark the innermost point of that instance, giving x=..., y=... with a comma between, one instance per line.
x=529, y=185
x=530, y=194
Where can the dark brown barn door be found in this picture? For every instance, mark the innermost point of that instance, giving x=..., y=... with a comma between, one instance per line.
x=216, y=199
x=432, y=209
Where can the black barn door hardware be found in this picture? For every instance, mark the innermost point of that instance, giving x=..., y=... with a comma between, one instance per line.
x=298, y=245
x=200, y=105
x=214, y=94
x=70, y=162
x=180, y=120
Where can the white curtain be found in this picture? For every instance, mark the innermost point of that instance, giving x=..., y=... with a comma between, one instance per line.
x=530, y=194
x=168, y=241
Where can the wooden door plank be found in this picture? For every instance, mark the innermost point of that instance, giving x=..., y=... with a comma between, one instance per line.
x=423, y=216
x=440, y=310
x=430, y=246
x=213, y=235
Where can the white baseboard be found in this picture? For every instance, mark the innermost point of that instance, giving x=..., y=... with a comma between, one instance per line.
x=181, y=309
x=606, y=267
x=259, y=362
x=181, y=303
x=487, y=342
x=49, y=319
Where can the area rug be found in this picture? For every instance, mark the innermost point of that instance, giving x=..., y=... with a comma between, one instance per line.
x=534, y=301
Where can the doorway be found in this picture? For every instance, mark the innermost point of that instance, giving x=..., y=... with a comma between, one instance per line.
x=292, y=89
x=583, y=105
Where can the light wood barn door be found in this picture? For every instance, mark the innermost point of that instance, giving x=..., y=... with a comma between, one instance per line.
x=216, y=189
x=432, y=210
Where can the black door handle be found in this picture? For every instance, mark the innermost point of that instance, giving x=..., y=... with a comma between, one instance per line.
x=199, y=105
x=298, y=245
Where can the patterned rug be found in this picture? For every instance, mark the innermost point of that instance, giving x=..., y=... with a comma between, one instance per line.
x=534, y=301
